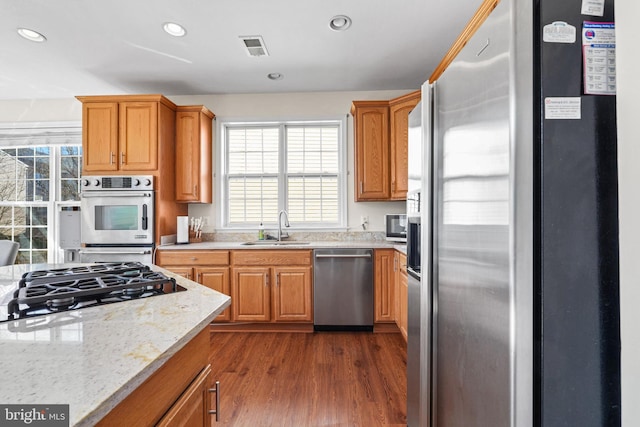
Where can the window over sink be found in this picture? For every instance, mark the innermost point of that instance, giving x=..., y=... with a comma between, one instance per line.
x=294, y=166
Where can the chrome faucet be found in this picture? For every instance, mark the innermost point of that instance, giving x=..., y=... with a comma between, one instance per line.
x=286, y=224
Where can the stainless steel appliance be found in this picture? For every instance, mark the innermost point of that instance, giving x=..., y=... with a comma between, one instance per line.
x=396, y=227
x=69, y=232
x=343, y=289
x=417, y=197
x=43, y=292
x=117, y=218
x=520, y=293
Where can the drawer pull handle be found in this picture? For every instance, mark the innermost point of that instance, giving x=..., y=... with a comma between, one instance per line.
x=216, y=411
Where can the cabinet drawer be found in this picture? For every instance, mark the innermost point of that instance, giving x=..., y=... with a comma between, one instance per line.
x=271, y=257
x=184, y=258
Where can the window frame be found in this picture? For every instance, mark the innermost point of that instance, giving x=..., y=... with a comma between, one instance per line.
x=53, y=135
x=221, y=178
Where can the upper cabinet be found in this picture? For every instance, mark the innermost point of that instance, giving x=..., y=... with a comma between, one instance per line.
x=371, y=126
x=125, y=133
x=381, y=138
x=399, y=110
x=194, y=154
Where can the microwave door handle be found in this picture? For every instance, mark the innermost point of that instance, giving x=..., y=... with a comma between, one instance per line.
x=145, y=220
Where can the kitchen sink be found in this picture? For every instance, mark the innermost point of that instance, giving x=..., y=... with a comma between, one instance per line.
x=275, y=243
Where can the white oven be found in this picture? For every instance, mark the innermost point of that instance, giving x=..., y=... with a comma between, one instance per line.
x=117, y=218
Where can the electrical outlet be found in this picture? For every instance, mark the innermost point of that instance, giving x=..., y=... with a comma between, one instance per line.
x=205, y=221
x=364, y=220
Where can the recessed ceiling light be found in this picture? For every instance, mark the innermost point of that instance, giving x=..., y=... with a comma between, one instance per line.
x=275, y=76
x=173, y=29
x=340, y=23
x=34, y=36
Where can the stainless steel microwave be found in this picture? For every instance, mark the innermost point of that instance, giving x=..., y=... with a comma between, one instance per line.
x=396, y=227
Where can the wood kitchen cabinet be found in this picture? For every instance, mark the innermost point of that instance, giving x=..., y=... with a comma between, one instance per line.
x=402, y=281
x=371, y=126
x=194, y=135
x=207, y=267
x=384, y=282
x=271, y=286
x=381, y=130
x=176, y=394
x=125, y=133
x=192, y=408
x=251, y=294
x=399, y=109
x=292, y=294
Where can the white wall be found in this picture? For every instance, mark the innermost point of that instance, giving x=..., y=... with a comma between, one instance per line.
x=300, y=106
x=311, y=105
x=628, y=62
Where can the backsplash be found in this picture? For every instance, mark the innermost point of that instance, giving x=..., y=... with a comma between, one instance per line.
x=311, y=236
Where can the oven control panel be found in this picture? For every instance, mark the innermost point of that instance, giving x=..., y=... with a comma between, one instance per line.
x=137, y=182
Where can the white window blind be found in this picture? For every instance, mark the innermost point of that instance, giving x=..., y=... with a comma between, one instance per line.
x=292, y=167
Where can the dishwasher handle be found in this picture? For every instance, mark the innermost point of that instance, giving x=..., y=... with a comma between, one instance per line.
x=343, y=256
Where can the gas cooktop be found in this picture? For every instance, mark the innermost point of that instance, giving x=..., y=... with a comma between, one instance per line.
x=44, y=292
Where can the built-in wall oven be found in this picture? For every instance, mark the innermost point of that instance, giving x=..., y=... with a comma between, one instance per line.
x=117, y=218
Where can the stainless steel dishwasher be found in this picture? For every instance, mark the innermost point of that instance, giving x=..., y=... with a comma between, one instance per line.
x=343, y=289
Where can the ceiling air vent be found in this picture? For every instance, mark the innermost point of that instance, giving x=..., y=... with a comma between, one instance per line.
x=254, y=45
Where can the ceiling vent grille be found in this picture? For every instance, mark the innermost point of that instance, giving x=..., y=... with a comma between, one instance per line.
x=254, y=45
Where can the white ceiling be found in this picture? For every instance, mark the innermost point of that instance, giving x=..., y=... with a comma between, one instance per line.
x=118, y=46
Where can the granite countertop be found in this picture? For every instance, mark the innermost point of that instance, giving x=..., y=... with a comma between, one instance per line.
x=286, y=244
x=93, y=358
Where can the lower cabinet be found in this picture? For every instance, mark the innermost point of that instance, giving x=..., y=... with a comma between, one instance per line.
x=192, y=408
x=207, y=267
x=251, y=294
x=403, y=291
x=216, y=278
x=271, y=286
x=383, y=285
x=177, y=394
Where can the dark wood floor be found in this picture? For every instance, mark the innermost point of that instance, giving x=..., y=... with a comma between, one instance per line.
x=302, y=379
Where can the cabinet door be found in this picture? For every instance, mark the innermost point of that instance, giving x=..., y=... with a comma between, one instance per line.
x=192, y=408
x=99, y=136
x=193, y=154
x=138, y=136
x=399, y=110
x=396, y=288
x=383, y=285
x=404, y=295
x=216, y=278
x=371, y=124
x=292, y=294
x=250, y=294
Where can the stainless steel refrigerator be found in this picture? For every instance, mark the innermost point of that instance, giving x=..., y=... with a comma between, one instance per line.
x=519, y=312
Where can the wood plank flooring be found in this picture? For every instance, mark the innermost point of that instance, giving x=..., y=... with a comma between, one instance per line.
x=310, y=379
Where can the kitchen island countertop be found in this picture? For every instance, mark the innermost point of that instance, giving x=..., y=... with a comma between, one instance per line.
x=93, y=358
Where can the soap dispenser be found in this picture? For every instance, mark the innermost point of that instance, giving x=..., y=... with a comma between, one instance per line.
x=261, y=232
